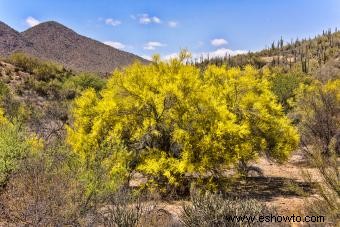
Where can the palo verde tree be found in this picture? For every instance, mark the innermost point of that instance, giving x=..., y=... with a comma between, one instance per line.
x=172, y=122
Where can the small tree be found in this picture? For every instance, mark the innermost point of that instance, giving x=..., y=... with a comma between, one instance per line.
x=318, y=108
x=170, y=122
x=284, y=86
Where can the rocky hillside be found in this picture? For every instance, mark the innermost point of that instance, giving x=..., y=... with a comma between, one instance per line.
x=53, y=41
x=40, y=93
x=318, y=56
x=11, y=40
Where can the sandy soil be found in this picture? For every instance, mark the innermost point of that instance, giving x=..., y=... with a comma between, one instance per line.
x=282, y=186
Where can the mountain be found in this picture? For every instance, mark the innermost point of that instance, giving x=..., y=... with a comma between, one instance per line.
x=11, y=40
x=53, y=41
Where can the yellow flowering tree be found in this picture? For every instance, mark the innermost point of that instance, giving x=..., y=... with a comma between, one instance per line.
x=172, y=122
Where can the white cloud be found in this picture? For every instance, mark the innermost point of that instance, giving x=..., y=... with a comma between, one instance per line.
x=113, y=22
x=172, y=24
x=146, y=19
x=222, y=52
x=147, y=57
x=30, y=21
x=117, y=45
x=218, y=42
x=153, y=45
x=156, y=20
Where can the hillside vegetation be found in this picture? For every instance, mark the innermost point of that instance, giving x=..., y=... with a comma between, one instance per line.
x=318, y=56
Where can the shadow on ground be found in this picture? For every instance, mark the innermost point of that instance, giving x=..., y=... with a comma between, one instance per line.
x=267, y=188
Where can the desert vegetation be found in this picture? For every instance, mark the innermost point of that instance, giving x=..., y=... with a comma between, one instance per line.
x=79, y=149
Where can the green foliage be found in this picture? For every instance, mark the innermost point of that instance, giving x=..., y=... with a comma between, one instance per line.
x=4, y=90
x=13, y=109
x=46, y=78
x=167, y=120
x=12, y=148
x=317, y=107
x=46, y=71
x=284, y=86
x=23, y=61
x=43, y=70
x=51, y=80
x=78, y=83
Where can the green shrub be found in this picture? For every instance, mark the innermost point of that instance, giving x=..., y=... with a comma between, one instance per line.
x=23, y=61
x=4, y=90
x=47, y=71
x=284, y=86
x=12, y=148
x=73, y=86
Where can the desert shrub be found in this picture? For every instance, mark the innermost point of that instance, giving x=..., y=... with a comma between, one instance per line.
x=213, y=210
x=51, y=80
x=44, y=191
x=4, y=90
x=24, y=62
x=124, y=209
x=48, y=121
x=84, y=81
x=46, y=71
x=50, y=90
x=73, y=86
x=12, y=108
x=12, y=148
x=328, y=186
x=43, y=70
x=170, y=121
x=284, y=86
x=317, y=108
x=46, y=78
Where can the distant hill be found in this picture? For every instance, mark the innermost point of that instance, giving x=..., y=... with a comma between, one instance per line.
x=54, y=41
x=319, y=56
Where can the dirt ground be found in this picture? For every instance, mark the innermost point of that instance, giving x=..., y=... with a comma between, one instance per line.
x=282, y=186
x=292, y=191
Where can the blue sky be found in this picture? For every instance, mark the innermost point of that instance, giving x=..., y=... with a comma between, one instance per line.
x=145, y=27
